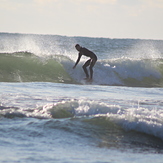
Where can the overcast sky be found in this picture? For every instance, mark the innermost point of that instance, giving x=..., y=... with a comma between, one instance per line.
x=93, y=18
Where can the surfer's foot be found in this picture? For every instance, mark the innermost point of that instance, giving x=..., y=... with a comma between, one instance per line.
x=86, y=78
x=89, y=80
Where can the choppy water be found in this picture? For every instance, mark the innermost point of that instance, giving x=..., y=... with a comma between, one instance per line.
x=49, y=114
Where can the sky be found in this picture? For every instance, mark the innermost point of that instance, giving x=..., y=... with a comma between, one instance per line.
x=141, y=19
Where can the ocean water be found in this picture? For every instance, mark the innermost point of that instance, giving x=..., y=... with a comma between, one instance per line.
x=48, y=113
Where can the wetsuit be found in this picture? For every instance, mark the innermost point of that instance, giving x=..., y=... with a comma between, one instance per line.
x=91, y=62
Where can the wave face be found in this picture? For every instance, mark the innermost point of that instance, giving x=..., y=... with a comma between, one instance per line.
x=50, y=58
x=26, y=67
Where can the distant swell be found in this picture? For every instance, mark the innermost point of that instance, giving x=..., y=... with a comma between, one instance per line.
x=27, y=67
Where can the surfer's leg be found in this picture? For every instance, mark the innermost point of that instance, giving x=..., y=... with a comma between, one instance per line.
x=87, y=63
x=93, y=61
x=91, y=73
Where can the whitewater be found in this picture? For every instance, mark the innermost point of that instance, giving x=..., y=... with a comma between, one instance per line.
x=48, y=113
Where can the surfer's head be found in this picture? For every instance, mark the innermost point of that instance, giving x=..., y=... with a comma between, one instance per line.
x=77, y=46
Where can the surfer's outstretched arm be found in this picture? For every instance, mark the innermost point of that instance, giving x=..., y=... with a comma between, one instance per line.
x=77, y=60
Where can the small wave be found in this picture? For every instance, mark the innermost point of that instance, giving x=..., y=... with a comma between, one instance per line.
x=110, y=126
x=139, y=119
x=64, y=109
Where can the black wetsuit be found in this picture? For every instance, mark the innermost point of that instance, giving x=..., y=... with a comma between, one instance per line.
x=91, y=62
x=88, y=53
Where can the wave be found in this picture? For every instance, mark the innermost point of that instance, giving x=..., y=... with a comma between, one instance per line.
x=141, y=120
x=131, y=72
x=27, y=67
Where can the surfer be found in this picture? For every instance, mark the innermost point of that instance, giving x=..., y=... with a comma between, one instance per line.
x=91, y=62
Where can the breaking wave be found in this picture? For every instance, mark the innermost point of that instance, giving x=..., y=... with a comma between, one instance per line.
x=27, y=67
x=139, y=119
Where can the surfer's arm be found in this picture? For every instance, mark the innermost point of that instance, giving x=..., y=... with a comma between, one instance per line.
x=77, y=60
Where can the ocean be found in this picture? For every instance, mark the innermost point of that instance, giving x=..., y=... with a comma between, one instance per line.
x=48, y=113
